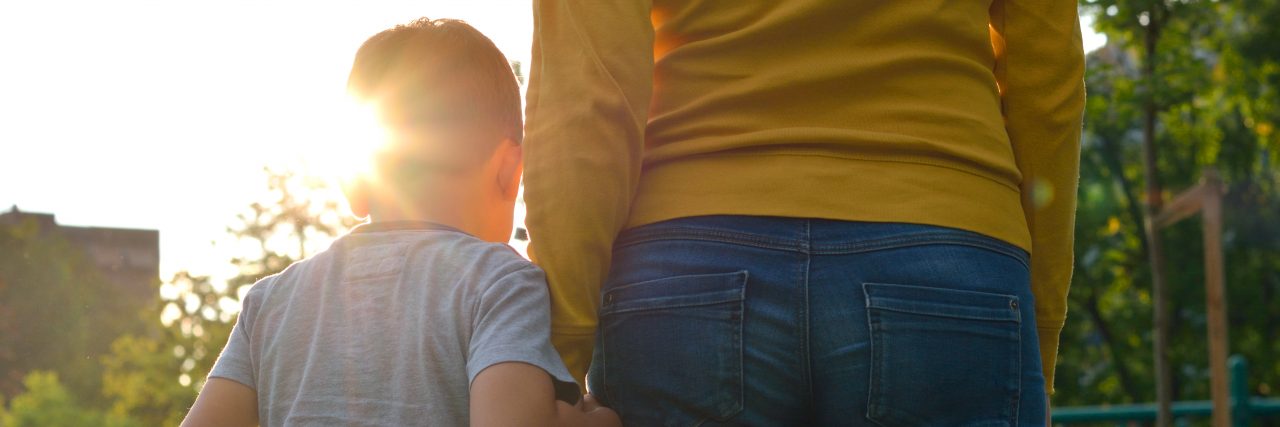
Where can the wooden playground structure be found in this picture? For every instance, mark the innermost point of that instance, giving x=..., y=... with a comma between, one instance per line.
x=1230, y=403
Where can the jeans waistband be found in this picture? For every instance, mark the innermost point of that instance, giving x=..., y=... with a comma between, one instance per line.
x=812, y=235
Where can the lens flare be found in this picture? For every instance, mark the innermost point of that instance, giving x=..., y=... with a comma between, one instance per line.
x=345, y=150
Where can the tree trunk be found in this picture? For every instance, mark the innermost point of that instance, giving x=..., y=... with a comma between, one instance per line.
x=1155, y=251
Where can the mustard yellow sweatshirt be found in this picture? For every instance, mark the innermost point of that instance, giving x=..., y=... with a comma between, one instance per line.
x=963, y=114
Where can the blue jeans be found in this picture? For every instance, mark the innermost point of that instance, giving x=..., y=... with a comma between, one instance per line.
x=738, y=320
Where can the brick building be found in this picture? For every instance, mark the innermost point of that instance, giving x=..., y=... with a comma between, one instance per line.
x=127, y=258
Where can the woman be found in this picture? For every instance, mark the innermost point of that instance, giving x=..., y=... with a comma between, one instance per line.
x=807, y=212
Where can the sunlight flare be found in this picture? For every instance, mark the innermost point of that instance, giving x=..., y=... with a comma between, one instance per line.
x=343, y=150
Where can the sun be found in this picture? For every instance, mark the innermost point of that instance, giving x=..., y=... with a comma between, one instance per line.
x=349, y=134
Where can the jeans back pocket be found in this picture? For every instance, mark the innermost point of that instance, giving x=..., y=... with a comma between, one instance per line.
x=942, y=357
x=672, y=349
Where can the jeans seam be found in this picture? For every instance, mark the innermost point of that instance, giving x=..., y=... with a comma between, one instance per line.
x=805, y=345
x=739, y=335
x=604, y=364
x=1017, y=373
x=872, y=374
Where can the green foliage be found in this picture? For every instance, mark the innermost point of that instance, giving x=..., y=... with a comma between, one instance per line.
x=149, y=375
x=1215, y=94
x=197, y=319
x=140, y=379
x=154, y=376
x=47, y=403
x=67, y=315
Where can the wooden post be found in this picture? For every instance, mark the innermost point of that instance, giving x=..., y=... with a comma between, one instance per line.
x=1206, y=198
x=1215, y=298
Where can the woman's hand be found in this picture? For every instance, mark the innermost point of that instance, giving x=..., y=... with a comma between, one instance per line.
x=588, y=412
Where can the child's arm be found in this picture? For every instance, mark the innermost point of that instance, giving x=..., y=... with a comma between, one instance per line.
x=520, y=394
x=223, y=402
x=514, y=372
x=228, y=397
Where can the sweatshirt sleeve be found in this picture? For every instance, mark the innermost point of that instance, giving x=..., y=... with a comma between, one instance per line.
x=1040, y=70
x=587, y=106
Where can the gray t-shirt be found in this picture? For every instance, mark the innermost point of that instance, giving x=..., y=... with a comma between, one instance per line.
x=389, y=326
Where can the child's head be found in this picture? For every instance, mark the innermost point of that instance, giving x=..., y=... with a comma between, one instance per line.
x=450, y=105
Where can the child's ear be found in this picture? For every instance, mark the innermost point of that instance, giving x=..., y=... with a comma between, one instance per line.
x=511, y=158
x=358, y=193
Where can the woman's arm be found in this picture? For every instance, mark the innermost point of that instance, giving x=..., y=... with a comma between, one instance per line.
x=1040, y=70
x=588, y=102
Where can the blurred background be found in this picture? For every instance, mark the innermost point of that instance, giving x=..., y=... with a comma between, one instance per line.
x=156, y=158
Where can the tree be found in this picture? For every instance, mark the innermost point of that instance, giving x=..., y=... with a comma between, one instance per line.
x=56, y=313
x=47, y=403
x=1215, y=98
x=140, y=379
x=154, y=376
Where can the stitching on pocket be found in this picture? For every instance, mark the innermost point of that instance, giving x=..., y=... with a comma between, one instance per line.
x=713, y=289
x=933, y=237
x=645, y=234
x=722, y=288
x=884, y=407
x=942, y=302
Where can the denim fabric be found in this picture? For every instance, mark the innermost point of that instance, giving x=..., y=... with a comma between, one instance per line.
x=736, y=320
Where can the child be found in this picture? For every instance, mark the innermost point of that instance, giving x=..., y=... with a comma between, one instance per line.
x=422, y=315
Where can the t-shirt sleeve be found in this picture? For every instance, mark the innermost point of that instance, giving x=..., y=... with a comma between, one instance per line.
x=512, y=323
x=235, y=363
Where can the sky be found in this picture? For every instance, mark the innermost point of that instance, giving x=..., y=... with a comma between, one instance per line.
x=162, y=114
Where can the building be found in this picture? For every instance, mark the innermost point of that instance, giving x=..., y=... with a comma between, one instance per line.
x=126, y=258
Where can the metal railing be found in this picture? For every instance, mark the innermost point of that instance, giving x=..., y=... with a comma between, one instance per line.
x=1244, y=408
